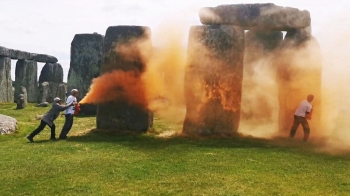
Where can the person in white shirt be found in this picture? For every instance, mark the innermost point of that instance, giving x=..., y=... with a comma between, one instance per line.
x=300, y=117
x=69, y=114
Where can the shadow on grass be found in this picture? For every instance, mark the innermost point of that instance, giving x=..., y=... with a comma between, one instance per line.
x=149, y=141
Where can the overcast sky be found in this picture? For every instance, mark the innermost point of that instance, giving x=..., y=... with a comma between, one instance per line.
x=48, y=26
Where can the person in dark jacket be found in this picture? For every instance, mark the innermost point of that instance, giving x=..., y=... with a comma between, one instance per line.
x=49, y=118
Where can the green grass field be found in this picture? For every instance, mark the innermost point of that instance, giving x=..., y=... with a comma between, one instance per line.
x=98, y=163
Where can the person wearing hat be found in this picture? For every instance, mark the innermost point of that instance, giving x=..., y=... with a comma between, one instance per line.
x=49, y=118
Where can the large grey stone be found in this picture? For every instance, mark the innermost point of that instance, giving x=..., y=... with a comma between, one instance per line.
x=18, y=54
x=43, y=58
x=4, y=52
x=22, y=55
x=6, y=93
x=85, y=65
x=61, y=92
x=213, y=79
x=48, y=91
x=43, y=92
x=119, y=115
x=51, y=72
x=26, y=76
x=266, y=16
x=7, y=124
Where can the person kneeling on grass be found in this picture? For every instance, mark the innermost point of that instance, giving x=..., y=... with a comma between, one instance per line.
x=49, y=118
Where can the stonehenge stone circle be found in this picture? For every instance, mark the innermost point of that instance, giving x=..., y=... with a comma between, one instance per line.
x=256, y=16
x=26, y=72
x=6, y=92
x=213, y=79
x=22, y=55
x=120, y=115
x=26, y=76
x=263, y=41
x=85, y=65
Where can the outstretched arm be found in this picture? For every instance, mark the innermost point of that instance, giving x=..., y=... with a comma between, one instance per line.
x=64, y=107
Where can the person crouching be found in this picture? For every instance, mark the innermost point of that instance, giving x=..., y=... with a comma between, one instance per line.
x=49, y=118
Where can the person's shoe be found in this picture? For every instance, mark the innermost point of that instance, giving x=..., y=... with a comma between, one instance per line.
x=63, y=138
x=53, y=139
x=30, y=139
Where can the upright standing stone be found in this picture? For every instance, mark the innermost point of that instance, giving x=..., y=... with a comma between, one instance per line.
x=119, y=114
x=6, y=94
x=85, y=65
x=213, y=79
x=259, y=99
x=52, y=73
x=43, y=92
x=61, y=92
x=26, y=76
x=299, y=74
x=22, y=99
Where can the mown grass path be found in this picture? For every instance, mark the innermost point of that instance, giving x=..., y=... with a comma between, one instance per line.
x=95, y=163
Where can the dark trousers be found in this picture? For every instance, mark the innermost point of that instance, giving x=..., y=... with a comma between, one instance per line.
x=41, y=127
x=67, y=126
x=300, y=120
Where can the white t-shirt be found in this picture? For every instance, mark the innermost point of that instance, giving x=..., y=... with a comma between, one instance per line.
x=70, y=99
x=304, y=107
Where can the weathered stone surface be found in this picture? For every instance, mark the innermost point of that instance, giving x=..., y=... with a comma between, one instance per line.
x=18, y=54
x=4, y=52
x=51, y=72
x=22, y=99
x=26, y=76
x=256, y=16
x=61, y=92
x=299, y=73
x=213, y=79
x=6, y=94
x=48, y=91
x=44, y=104
x=120, y=115
x=259, y=92
x=22, y=55
x=44, y=58
x=85, y=65
x=51, y=83
x=43, y=92
x=7, y=124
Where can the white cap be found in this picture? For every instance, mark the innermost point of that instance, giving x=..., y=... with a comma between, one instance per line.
x=57, y=99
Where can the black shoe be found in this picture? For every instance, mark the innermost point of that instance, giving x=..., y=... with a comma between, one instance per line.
x=63, y=138
x=53, y=139
x=30, y=139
